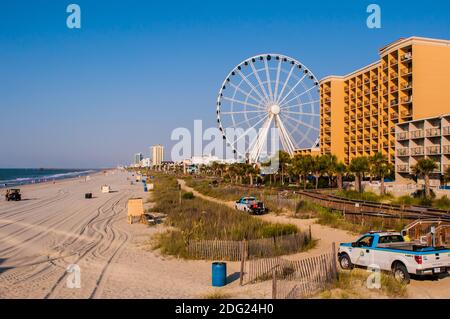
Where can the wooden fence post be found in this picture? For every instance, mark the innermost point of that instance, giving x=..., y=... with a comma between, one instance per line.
x=310, y=234
x=333, y=249
x=241, y=277
x=274, y=283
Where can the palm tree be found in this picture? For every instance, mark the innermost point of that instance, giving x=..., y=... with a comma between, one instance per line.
x=424, y=168
x=380, y=167
x=359, y=166
x=340, y=169
x=318, y=168
x=284, y=160
x=329, y=163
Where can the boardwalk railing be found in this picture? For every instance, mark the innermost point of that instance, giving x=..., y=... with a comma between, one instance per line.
x=255, y=248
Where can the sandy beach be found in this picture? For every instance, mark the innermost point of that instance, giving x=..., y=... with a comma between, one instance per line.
x=54, y=227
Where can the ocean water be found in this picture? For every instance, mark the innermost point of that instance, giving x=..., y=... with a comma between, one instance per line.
x=20, y=176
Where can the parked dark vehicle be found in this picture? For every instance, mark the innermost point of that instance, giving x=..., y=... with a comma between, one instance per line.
x=13, y=194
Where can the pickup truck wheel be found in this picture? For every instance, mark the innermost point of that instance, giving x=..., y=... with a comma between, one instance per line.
x=345, y=262
x=401, y=273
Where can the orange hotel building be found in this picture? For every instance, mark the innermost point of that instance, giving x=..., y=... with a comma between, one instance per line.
x=359, y=111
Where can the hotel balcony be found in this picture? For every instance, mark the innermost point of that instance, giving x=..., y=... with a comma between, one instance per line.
x=352, y=86
x=367, y=149
x=327, y=100
x=360, y=116
x=359, y=83
x=446, y=149
x=374, y=147
x=438, y=169
x=446, y=167
x=433, y=150
x=327, y=130
x=327, y=140
x=360, y=137
x=353, y=107
x=374, y=101
x=406, y=71
x=374, y=124
x=446, y=131
x=353, y=138
x=432, y=132
x=407, y=100
x=346, y=99
x=374, y=112
x=346, y=139
x=406, y=57
x=403, y=168
x=385, y=79
x=385, y=144
x=345, y=118
x=385, y=131
x=327, y=120
x=346, y=89
x=353, y=149
x=394, y=102
x=359, y=94
x=359, y=104
x=346, y=129
x=366, y=91
x=327, y=109
x=416, y=134
x=417, y=151
x=366, y=80
x=385, y=92
x=394, y=116
x=385, y=118
x=394, y=88
x=374, y=136
x=366, y=114
x=352, y=96
x=360, y=148
x=394, y=76
x=326, y=90
x=353, y=128
x=374, y=77
x=406, y=114
x=402, y=136
x=406, y=86
x=403, y=152
x=353, y=117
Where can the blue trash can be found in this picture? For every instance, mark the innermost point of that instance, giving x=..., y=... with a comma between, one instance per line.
x=219, y=274
x=145, y=188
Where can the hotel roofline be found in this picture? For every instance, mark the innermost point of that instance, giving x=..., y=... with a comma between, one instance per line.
x=385, y=50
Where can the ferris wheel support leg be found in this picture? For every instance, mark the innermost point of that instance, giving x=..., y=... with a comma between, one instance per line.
x=259, y=141
x=290, y=148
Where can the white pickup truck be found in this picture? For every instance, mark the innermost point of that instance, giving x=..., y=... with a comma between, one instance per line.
x=390, y=252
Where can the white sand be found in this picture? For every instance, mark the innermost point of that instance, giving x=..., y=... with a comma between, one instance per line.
x=54, y=226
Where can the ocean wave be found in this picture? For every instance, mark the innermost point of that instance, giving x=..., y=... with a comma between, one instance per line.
x=43, y=178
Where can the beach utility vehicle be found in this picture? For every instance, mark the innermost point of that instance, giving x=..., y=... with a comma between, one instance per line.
x=250, y=205
x=13, y=194
x=389, y=251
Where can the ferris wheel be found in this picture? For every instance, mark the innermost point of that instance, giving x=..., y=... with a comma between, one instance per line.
x=269, y=91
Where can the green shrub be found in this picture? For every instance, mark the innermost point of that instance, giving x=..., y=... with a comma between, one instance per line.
x=442, y=203
x=188, y=195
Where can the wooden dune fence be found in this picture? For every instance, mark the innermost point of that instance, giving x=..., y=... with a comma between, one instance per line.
x=293, y=278
x=255, y=248
x=304, y=278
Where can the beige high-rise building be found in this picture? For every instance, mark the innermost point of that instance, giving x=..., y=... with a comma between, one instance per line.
x=359, y=111
x=157, y=155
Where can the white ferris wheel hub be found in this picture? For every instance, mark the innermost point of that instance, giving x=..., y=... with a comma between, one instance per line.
x=275, y=109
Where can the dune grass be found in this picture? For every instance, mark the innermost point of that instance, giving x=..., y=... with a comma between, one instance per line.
x=199, y=219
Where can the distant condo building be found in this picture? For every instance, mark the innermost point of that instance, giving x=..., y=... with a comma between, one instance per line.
x=360, y=111
x=157, y=155
x=137, y=159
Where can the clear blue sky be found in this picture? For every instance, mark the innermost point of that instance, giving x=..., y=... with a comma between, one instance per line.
x=138, y=69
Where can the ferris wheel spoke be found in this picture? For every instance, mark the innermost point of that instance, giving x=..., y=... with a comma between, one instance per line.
x=298, y=104
x=242, y=112
x=243, y=102
x=249, y=119
x=302, y=123
x=269, y=85
x=304, y=136
x=299, y=95
x=251, y=85
x=301, y=113
x=255, y=72
x=248, y=94
x=251, y=127
x=277, y=81
x=286, y=81
x=292, y=89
